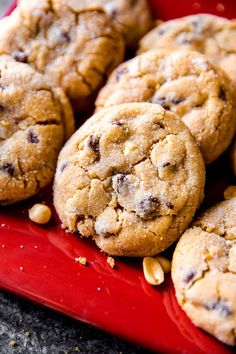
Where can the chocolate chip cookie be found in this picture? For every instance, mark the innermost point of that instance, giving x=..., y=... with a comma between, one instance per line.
x=185, y=83
x=131, y=17
x=131, y=177
x=75, y=49
x=211, y=35
x=34, y=121
x=204, y=271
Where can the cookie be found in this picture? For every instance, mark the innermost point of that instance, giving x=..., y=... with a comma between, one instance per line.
x=233, y=156
x=35, y=119
x=211, y=35
x=204, y=271
x=185, y=83
x=131, y=17
x=75, y=49
x=132, y=178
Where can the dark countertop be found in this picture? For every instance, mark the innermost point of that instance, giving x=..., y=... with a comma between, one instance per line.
x=29, y=328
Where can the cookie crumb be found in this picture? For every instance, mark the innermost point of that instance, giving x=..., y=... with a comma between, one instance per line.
x=111, y=262
x=81, y=260
x=27, y=333
x=12, y=342
x=77, y=349
x=40, y=213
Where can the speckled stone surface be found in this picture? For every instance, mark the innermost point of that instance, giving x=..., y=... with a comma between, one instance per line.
x=29, y=328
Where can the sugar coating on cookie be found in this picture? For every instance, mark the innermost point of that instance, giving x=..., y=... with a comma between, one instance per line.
x=204, y=271
x=130, y=17
x=211, y=35
x=34, y=121
x=185, y=83
x=131, y=177
x=75, y=49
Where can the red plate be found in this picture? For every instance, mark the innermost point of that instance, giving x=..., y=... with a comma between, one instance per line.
x=39, y=263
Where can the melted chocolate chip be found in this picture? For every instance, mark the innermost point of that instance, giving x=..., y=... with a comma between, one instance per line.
x=1, y=108
x=188, y=277
x=63, y=166
x=169, y=205
x=120, y=72
x=222, y=94
x=93, y=143
x=221, y=307
x=20, y=56
x=32, y=137
x=8, y=167
x=148, y=208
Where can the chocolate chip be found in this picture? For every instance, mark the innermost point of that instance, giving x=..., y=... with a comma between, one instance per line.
x=160, y=125
x=32, y=137
x=188, y=277
x=117, y=122
x=65, y=36
x=63, y=166
x=161, y=31
x=93, y=143
x=161, y=101
x=220, y=306
x=121, y=182
x=113, y=13
x=177, y=100
x=148, y=208
x=222, y=94
x=20, y=56
x=165, y=164
x=197, y=25
x=8, y=167
x=169, y=205
x=1, y=108
x=120, y=72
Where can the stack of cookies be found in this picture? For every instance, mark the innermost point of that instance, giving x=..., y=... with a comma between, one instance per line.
x=132, y=176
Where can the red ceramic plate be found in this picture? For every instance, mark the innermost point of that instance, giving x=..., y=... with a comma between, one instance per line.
x=39, y=263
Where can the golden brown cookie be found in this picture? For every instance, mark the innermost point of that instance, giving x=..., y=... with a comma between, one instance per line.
x=75, y=49
x=211, y=35
x=186, y=83
x=131, y=17
x=34, y=121
x=131, y=177
x=204, y=271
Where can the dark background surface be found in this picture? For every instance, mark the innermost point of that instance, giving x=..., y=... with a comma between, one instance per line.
x=29, y=328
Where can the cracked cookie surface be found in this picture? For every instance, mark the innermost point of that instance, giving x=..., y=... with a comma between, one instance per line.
x=211, y=35
x=185, y=83
x=34, y=121
x=204, y=271
x=75, y=49
x=131, y=177
x=130, y=17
